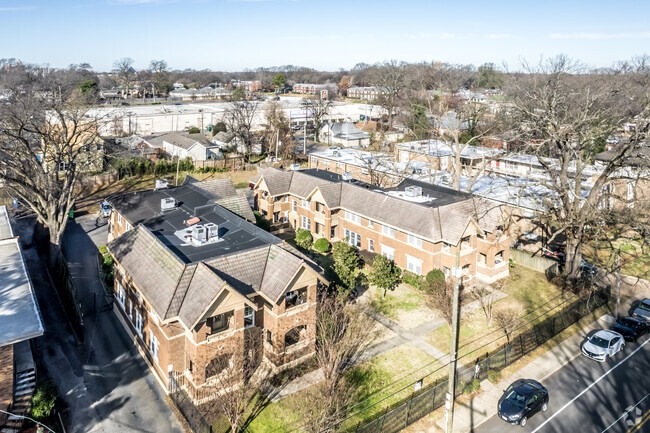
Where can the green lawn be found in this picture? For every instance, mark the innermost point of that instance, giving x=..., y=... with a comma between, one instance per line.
x=393, y=303
x=526, y=289
x=635, y=256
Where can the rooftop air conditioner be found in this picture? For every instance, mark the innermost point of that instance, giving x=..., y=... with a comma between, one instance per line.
x=161, y=184
x=294, y=167
x=199, y=233
x=347, y=176
x=212, y=231
x=413, y=191
x=167, y=204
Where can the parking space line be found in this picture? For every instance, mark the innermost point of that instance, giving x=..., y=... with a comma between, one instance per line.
x=590, y=386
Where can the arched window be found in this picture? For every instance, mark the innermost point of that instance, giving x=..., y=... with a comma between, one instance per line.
x=295, y=335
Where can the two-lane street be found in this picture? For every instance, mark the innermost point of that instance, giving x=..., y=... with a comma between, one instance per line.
x=588, y=396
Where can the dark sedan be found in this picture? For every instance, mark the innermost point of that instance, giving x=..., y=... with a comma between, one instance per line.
x=631, y=328
x=521, y=400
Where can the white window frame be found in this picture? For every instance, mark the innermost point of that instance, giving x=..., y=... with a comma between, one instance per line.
x=154, y=345
x=294, y=206
x=119, y=218
x=352, y=217
x=250, y=314
x=388, y=231
x=305, y=223
x=415, y=241
x=413, y=264
x=371, y=224
x=128, y=226
x=353, y=238
x=371, y=245
x=388, y=252
x=121, y=295
x=305, y=204
x=138, y=322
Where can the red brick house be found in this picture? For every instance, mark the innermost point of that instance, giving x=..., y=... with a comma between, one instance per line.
x=418, y=225
x=193, y=278
x=20, y=321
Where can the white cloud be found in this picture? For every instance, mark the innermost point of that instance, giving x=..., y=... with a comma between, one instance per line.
x=599, y=36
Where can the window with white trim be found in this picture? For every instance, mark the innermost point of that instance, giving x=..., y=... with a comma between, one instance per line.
x=138, y=322
x=128, y=226
x=305, y=223
x=388, y=231
x=119, y=218
x=371, y=245
x=388, y=252
x=339, y=165
x=446, y=271
x=121, y=294
x=371, y=223
x=249, y=317
x=154, y=345
x=305, y=204
x=353, y=238
x=294, y=206
x=415, y=241
x=414, y=265
x=352, y=217
x=314, y=159
x=130, y=309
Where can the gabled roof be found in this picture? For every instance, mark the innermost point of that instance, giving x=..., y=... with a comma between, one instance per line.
x=444, y=218
x=347, y=131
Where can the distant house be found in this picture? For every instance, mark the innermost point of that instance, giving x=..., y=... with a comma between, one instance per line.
x=345, y=134
x=203, y=94
x=20, y=321
x=195, y=146
x=368, y=93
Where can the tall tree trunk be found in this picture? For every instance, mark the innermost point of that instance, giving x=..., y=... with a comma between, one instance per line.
x=573, y=253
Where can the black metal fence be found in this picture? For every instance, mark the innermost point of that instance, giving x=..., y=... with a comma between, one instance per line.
x=426, y=399
x=184, y=404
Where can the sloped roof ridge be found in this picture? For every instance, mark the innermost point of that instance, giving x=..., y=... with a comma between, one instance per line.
x=180, y=292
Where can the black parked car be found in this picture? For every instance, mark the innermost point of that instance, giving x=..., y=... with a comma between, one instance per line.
x=521, y=400
x=631, y=328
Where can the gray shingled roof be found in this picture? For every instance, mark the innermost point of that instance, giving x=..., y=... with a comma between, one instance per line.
x=201, y=293
x=155, y=270
x=223, y=191
x=446, y=222
x=281, y=266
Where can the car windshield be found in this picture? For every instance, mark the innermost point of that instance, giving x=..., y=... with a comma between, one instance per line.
x=644, y=306
x=628, y=323
x=598, y=341
x=516, y=399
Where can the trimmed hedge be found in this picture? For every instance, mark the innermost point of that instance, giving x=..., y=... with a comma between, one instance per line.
x=262, y=222
x=304, y=239
x=322, y=245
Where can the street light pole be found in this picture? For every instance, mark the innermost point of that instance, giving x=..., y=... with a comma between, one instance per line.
x=451, y=394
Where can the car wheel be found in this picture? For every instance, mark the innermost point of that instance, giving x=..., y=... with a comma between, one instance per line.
x=607, y=358
x=544, y=407
x=523, y=422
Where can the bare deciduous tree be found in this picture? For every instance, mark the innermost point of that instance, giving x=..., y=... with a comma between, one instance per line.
x=342, y=334
x=124, y=69
x=317, y=108
x=45, y=146
x=564, y=114
x=389, y=77
x=439, y=296
x=239, y=121
x=486, y=299
x=507, y=319
x=242, y=382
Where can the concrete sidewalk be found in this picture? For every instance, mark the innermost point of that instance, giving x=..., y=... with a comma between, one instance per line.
x=470, y=415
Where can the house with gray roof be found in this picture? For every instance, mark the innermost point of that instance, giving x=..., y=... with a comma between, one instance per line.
x=197, y=281
x=195, y=146
x=20, y=322
x=345, y=134
x=419, y=226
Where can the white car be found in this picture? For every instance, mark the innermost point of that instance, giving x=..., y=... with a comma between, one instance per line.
x=603, y=345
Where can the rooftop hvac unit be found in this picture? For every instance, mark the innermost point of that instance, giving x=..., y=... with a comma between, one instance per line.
x=347, y=176
x=199, y=233
x=294, y=167
x=167, y=204
x=212, y=231
x=336, y=153
x=413, y=191
x=161, y=184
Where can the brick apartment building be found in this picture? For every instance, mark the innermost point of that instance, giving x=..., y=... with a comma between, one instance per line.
x=20, y=321
x=194, y=279
x=419, y=226
x=312, y=89
x=368, y=93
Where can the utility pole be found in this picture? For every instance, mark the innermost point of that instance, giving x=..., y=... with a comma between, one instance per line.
x=451, y=394
x=304, y=136
x=277, y=142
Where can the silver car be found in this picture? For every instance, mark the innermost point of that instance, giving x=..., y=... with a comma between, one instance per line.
x=643, y=310
x=603, y=345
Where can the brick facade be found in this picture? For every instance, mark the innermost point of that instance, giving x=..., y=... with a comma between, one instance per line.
x=483, y=256
x=6, y=379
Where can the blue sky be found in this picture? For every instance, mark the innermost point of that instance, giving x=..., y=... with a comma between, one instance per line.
x=232, y=35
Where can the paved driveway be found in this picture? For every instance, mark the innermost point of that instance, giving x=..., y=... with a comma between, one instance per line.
x=104, y=381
